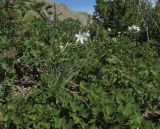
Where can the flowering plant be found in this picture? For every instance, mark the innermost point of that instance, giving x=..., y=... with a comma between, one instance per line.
x=82, y=37
x=134, y=28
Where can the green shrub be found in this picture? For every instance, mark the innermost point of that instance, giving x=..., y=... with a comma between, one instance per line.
x=106, y=83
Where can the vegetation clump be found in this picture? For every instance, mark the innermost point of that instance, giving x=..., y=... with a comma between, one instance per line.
x=49, y=79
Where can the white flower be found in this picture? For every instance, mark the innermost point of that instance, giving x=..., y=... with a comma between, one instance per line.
x=82, y=37
x=109, y=29
x=119, y=33
x=18, y=60
x=134, y=28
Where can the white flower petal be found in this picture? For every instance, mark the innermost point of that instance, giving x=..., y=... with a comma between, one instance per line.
x=81, y=41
